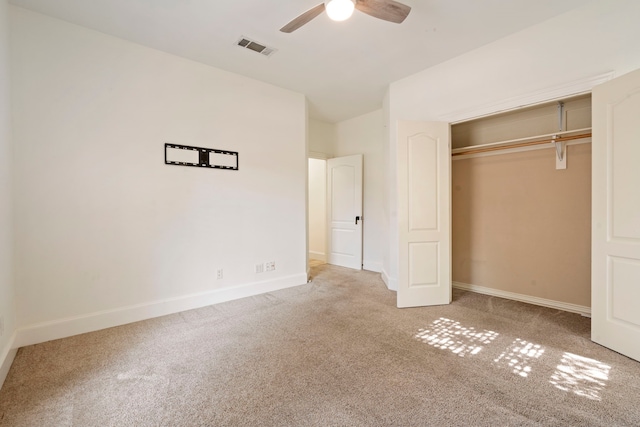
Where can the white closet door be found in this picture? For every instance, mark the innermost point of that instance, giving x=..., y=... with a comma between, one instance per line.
x=615, y=281
x=424, y=214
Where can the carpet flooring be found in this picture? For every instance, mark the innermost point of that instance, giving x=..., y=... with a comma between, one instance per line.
x=333, y=352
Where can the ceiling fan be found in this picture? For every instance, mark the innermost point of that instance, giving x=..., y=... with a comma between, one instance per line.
x=339, y=10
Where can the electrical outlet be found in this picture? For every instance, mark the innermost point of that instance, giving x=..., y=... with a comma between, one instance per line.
x=271, y=265
x=219, y=273
x=260, y=268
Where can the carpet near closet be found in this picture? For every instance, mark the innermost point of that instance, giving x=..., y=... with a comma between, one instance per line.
x=333, y=352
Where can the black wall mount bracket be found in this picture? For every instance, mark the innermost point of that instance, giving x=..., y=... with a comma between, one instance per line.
x=186, y=155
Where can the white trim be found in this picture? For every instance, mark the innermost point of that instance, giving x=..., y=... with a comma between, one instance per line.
x=559, y=305
x=578, y=87
x=392, y=284
x=320, y=256
x=372, y=266
x=6, y=358
x=62, y=328
x=318, y=155
x=518, y=150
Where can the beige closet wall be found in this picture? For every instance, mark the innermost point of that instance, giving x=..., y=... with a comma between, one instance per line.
x=520, y=225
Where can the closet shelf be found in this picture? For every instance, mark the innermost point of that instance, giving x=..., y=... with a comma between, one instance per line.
x=551, y=138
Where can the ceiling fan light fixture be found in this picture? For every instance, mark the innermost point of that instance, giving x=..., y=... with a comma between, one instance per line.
x=339, y=10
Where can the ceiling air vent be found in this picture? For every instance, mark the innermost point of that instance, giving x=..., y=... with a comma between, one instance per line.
x=255, y=46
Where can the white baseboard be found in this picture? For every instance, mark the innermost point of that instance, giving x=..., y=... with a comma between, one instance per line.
x=6, y=358
x=372, y=266
x=559, y=305
x=392, y=284
x=320, y=256
x=63, y=328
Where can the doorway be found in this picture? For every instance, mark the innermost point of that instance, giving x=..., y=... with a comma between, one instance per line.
x=335, y=211
x=317, y=211
x=521, y=222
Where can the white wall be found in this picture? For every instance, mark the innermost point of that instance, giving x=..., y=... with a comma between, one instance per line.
x=582, y=43
x=107, y=233
x=7, y=307
x=322, y=138
x=389, y=205
x=365, y=135
x=318, y=209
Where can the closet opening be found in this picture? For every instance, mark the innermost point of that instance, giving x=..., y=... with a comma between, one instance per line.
x=317, y=211
x=521, y=204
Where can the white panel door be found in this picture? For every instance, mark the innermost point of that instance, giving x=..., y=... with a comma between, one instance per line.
x=344, y=211
x=424, y=214
x=615, y=264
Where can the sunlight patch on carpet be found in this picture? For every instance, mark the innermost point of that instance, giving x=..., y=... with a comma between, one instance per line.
x=581, y=375
x=519, y=357
x=447, y=334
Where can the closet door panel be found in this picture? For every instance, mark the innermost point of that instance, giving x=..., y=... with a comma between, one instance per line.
x=615, y=286
x=423, y=182
x=424, y=214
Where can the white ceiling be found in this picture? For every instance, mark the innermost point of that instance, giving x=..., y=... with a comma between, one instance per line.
x=342, y=67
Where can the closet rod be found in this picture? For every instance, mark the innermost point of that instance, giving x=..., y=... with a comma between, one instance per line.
x=520, y=143
x=509, y=141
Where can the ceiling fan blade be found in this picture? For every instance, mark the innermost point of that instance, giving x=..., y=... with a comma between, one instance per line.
x=303, y=19
x=387, y=10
